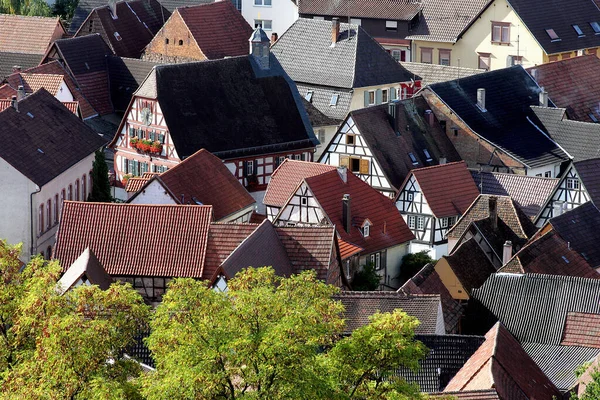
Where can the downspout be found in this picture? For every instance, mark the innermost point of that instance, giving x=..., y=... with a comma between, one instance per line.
x=31, y=250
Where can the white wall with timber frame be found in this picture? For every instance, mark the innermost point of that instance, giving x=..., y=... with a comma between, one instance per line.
x=569, y=194
x=349, y=149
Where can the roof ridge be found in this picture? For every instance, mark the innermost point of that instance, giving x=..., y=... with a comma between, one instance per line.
x=437, y=166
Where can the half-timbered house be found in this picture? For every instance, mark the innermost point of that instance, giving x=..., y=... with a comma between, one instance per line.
x=577, y=185
x=366, y=222
x=381, y=144
x=431, y=200
x=244, y=110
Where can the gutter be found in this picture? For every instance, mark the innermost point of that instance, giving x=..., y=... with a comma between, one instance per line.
x=31, y=250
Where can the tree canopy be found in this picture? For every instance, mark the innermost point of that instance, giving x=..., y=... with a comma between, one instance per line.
x=25, y=7
x=100, y=185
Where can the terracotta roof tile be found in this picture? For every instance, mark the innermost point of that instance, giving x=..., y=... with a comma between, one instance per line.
x=347, y=249
x=379, y=9
x=218, y=28
x=4, y=104
x=32, y=35
x=489, y=394
x=73, y=106
x=581, y=329
x=286, y=178
x=50, y=82
x=223, y=239
x=113, y=232
x=135, y=183
x=448, y=188
x=6, y=92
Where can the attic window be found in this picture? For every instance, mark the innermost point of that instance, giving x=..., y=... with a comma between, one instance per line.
x=427, y=155
x=413, y=158
x=334, y=100
x=596, y=27
x=118, y=37
x=593, y=117
x=366, y=229
x=391, y=26
x=578, y=30
x=308, y=96
x=167, y=41
x=553, y=36
x=565, y=259
x=180, y=42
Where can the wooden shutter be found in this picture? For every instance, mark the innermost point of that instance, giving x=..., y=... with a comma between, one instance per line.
x=366, y=98
x=392, y=93
x=364, y=166
x=344, y=161
x=378, y=96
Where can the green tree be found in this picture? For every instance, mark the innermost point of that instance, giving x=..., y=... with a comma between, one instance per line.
x=64, y=347
x=65, y=9
x=25, y=7
x=100, y=184
x=366, y=278
x=592, y=388
x=412, y=263
x=269, y=337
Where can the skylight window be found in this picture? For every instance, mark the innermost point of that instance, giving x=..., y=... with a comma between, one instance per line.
x=593, y=117
x=565, y=259
x=118, y=37
x=309, y=95
x=427, y=155
x=596, y=27
x=578, y=30
x=552, y=35
x=413, y=158
x=334, y=100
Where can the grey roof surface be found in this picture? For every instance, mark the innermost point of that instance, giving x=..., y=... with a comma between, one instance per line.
x=9, y=60
x=529, y=192
x=316, y=117
x=321, y=99
x=445, y=20
x=86, y=266
x=580, y=139
x=434, y=73
x=379, y=9
x=588, y=174
x=171, y=5
x=84, y=8
x=356, y=60
x=508, y=122
x=126, y=75
x=560, y=362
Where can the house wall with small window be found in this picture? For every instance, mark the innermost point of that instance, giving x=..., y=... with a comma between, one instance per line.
x=275, y=16
x=302, y=210
x=324, y=134
x=375, y=95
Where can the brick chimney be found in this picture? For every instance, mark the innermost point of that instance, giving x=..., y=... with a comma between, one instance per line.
x=335, y=30
x=346, y=213
x=493, y=206
x=20, y=93
x=506, y=252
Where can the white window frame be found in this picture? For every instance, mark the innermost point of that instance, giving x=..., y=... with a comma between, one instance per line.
x=412, y=221
x=385, y=96
x=443, y=222
x=262, y=3
x=413, y=159
x=391, y=26
x=334, y=100
x=262, y=23
x=372, y=95
x=366, y=229
x=420, y=223
x=309, y=95
x=249, y=168
x=572, y=183
x=304, y=200
x=410, y=196
x=548, y=174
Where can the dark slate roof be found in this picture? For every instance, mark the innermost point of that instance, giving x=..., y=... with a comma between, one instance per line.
x=392, y=141
x=359, y=306
x=447, y=355
x=539, y=15
x=435, y=73
x=580, y=139
x=379, y=9
x=126, y=75
x=356, y=60
x=316, y=117
x=50, y=138
x=588, y=174
x=579, y=227
x=171, y=5
x=84, y=8
x=10, y=60
x=529, y=192
x=226, y=107
x=470, y=265
x=509, y=123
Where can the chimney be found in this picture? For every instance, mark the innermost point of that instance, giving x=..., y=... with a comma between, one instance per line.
x=335, y=30
x=429, y=117
x=20, y=93
x=442, y=160
x=343, y=171
x=112, y=5
x=346, y=213
x=481, y=99
x=14, y=103
x=543, y=98
x=16, y=68
x=274, y=38
x=260, y=48
x=557, y=210
x=493, y=204
x=392, y=110
x=506, y=252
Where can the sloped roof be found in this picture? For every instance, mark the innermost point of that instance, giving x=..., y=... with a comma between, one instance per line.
x=434, y=73
x=286, y=178
x=508, y=122
x=539, y=15
x=549, y=254
x=391, y=142
x=579, y=227
x=572, y=84
x=502, y=364
x=387, y=226
x=30, y=35
x=470, y=265
x=447, y=355
x=486, y=394
x=204, y=178
x=32, y=82
x=528, y=192
x=445, y=20
x=50, y=138
x=135, y=183
x=125, y=76
x=223, y=239
x=582, y=329
x=359, y=306
x=448, y=188
x=316, y=117
x=347, y=250
x=86, y=264
x=218, y=28
x=171, y=5
x=9, y=60
x=356, y=60
x=251, y=114
x=587, y=171
x=378, y=9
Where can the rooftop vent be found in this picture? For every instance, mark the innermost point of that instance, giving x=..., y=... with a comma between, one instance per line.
x=481, y=99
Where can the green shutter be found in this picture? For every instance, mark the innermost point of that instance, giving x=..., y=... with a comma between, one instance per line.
x=125, y=166
x=366, y=98
x=136, y=165
x=393, y=93
x=378, y=96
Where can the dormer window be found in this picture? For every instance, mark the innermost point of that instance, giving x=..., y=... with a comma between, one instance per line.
x=413, y=158
x=118, y=37
x=334, y=100
x=308, y=96
x=366, y=228
x=578, y=30
x=596, y=27
x=553, y=36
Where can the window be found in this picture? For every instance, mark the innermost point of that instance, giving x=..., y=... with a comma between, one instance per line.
x=334, y=100
x=91, y=26
x=396, y=54
x=355, y=21
x=376, y=260
x=62, y=198
x=351, y=140
x=308, y=96
x=515, y=60
x=321, y=135
x=411, y=221
x=420, y=223
x=249, y=168
x=180, y=42
x=266, y=24
x=578, y=30
x=548, y=174
x=391, y=26
x=484, y=61
x=77, y=190
x=501, y=32
x=444, y=57
x=83, y=188
x=572, y=183
x=70, y=192
x=262, y=2
x=384, y=96
x=56, y=203
x=166, y=41
x=297, y=157
x=553, y=36
x=41, y=219
x=366, y=230
x=538, y=175
x=444, y=222
x=303, y=200
x=413, y=158
x=596, y=27
x=117, y=36
x=371, y=97
x=427, y=155
x=410, y=196
x=48, y=214
x=426, y=55
x=355, y=164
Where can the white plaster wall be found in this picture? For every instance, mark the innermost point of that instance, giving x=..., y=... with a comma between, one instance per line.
x=154, y=193
x=64, y=94
x=259, y=197
x=555, y=169
x=393, y=262
x=329, y=133
x=283, y=13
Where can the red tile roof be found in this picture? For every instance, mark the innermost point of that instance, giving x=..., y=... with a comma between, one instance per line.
x=31, y=35
x=218, y=28
x=223, y=239
x=205, y=178
x=387, y=226
x=118, y=235
x=347, y=250
x=448, y=188
x=490, y=394
x=581, y=329
x=4, y=104
x=6, y=92
x=501, y=363
x=135, y=183
x=286, y=178
x=73, y=106
x=573, y=84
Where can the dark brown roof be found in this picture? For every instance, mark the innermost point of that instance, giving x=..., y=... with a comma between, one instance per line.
x=359, y=306
x=50, y=138
x=488, y=394
x=378, y=9
x=317, y=118
x=470, y=265
x=588, y=173
x=126, y=75
x=581, y=329
x=218, y=28
x=223, y=239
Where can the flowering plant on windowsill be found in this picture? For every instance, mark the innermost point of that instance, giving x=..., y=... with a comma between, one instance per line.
x=144, y=145
x=126, y=178
x=156, y=147
x=134, y=141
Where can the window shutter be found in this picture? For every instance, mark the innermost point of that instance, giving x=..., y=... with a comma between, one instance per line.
x=393, y=93
x=245, y=171
x=136, y=170
x=366, y=98
x=344, y=161
x=364, y=166
x=125, y=166
x=378, y=96
x=130, y=169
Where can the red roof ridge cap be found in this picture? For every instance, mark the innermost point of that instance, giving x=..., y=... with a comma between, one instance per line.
x=437, y=166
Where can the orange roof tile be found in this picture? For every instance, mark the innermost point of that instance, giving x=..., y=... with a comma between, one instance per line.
x=7, y=92
x=286, y=178
x=73, y=106
x=30, y=35
x=50, y=82
x=347, y=249
x=223, y=239
x=134, y=184
x=4, y=104
x=448, y=188
x=581, y=329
